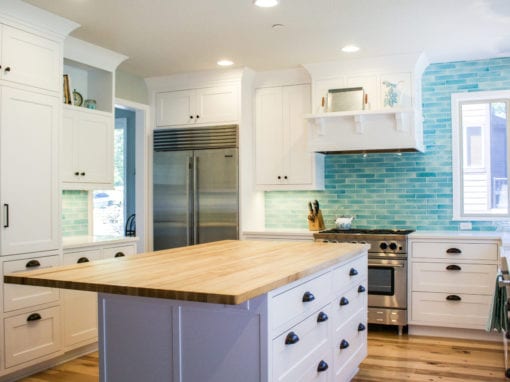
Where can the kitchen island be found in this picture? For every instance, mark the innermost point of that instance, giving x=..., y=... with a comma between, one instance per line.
x=226, y=311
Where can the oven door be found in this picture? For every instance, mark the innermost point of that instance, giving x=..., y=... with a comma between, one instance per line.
x=387, y=283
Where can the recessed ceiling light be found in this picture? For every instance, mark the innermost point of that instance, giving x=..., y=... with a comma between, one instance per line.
x=350, y=49
x=225, y=63
x=265, y=3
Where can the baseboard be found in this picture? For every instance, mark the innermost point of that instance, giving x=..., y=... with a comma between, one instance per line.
x=469, y=334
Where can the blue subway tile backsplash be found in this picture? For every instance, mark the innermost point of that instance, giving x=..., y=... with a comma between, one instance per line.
x=410, y=190
x=75, y=215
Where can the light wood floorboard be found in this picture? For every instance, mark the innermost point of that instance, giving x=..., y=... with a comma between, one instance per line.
x=390, y=358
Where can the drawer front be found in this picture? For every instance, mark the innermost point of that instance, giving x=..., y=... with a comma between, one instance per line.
x=289, y=350
x=352, y=272
x=22, y=296
x=453, y=251
x=120, y=251
x=316, y=367
x=347, y=371
x=31, y=335
x=82, y=256
x=471, y=311
x=454, y=278
x=348, y=304
x=292, y=303
x=349, y=338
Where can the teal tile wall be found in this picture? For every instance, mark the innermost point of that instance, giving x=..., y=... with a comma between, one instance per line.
x=75, y=213
x=412, y=190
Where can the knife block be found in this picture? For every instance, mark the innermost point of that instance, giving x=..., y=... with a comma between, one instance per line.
x=316, y=221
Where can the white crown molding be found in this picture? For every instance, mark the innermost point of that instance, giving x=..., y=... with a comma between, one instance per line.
x=92, y=55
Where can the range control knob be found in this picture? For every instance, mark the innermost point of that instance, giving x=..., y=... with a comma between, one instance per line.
x=383, y=245
x=393, y=246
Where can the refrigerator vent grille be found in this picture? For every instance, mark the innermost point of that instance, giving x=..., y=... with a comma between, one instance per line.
x=214, y=137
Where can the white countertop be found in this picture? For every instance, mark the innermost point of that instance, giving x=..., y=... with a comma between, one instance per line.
x=87, y=241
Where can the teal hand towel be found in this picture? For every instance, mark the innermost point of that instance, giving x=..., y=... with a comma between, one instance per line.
x=498, y=315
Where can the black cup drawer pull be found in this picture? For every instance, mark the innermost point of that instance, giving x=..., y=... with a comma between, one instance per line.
x=34, y=317
x=453, y=251
x=344, y=301
x=119, y=254
x=321, y=317
x=453, y=267
x=323, y=366
x=353, y=272
x=344, y=344
x=453, y=297
x=361, y=289
x=361, y=327
x=291, y=338
x=308, y=296
x=82, y=260
x=33, y=264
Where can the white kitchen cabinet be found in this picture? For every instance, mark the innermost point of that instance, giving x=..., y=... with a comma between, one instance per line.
x=119, y=251
x=282, y=159
x=451, y=280
x=30, y=59
x=29, y=192
x=87, y=149
x=204, y=106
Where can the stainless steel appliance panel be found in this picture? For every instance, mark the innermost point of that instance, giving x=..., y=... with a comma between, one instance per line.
x=387, y=283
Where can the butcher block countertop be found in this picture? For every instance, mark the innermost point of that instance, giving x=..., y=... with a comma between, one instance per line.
x=225, y=272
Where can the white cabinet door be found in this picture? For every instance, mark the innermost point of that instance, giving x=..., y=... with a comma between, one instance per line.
x=29, y=177
x=175, y=108
x=119, y=251
x=87, y=150
x=30, y=59
x=80, y=308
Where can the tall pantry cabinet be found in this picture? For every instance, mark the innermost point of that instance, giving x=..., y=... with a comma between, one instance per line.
x=31, y=43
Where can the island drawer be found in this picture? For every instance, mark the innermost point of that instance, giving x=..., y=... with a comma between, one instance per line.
x=348, y=304
x=300, y=301
x=453, y=251
x=349, y=338
x=451, y=310
x=31, y=335
x=352, y=272
x=316, y=367
x=454, y=278
x=23, y=296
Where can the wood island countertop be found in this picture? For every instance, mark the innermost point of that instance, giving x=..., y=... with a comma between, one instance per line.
x=225, y=272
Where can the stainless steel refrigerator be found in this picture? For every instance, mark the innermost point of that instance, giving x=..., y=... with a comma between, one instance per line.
x=195, y=186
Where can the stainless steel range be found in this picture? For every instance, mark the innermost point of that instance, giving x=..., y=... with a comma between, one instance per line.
x=387, y=270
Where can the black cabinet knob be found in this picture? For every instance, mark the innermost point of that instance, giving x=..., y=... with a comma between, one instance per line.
x=308, y=296
x=82, y=174
x=279, y=177
x=190, y=117
x=344, y=344
x=344, y=301
x=291, y=338
x=361, y=289
x=323, y=366
x=33, y=264
x=453, y=297
x=119, y=254
x=198, y=116
x=361, y=327
x=322, y=317
x=353, y=272
x=285, y=177
x=77, y=173
x=7, y=69
x=82, y=260
x=34, y=317
x=453, y=267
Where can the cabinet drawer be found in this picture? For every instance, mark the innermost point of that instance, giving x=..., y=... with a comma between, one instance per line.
x=31, y=335
x=352, y=272
x=349, y=303
x=349, y=338
x=454, y=278
x=308, y=369
x=292, y=303
x=472, y=311
x=347, y=371
x=311, y=334
x=82, y=256
x=120, y=251
x=453, y=251
x=22, y=296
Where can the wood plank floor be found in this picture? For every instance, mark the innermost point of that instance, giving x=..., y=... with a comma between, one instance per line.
x=390, y=358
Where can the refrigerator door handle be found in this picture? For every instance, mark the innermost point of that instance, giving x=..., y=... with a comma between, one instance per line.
x=190, y=187
x=195, y=200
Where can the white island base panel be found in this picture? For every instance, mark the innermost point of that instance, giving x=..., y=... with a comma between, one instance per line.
x=159, y=340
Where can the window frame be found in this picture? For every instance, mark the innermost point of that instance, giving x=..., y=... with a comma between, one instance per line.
x=457, y=99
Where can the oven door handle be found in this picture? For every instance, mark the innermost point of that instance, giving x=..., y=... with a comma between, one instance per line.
x=378, y=265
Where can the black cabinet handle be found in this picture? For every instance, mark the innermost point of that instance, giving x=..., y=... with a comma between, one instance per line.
x=361, y=289
x=82, y=174
x=285, y=177
x=453, y=251
x=77, y=173
x=308, y=296
x=7, y=69
x=34, y=317
x=322, y=317
x=353, y=272
x=323, y=366
x=279, y=177
x=190, y=117
x=119, y=254
x=344, y=301
x=453, y=297
x=291, y=338
x=361, y=327
x=82, y=260
x=198, y=116
x=344, y=344
x=33, y=264
x=453, y=267
x=6, y=208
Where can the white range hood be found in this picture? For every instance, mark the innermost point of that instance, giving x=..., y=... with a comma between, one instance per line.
x=391, y=120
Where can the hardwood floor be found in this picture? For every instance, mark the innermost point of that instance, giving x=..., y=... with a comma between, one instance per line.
x=390, y=358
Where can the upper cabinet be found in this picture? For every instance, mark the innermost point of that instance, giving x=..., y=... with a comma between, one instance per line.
x=203, y=106
x=282, y=159
x=88, y=125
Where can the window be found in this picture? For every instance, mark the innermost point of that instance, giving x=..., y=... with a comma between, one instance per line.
x=480, y=160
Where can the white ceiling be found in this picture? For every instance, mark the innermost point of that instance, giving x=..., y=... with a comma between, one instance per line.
x=164, y=37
